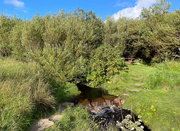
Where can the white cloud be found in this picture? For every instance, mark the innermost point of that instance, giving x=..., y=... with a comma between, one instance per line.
x=133, y=12
x=123, y=4
x=16, y=3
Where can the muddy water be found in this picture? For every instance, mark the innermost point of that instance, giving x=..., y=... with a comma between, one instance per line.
x=92, y=97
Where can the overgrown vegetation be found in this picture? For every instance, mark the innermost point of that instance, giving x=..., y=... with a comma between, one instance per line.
x=22, y=90
x=74, y=119
x=25, y=95
x=40, y=56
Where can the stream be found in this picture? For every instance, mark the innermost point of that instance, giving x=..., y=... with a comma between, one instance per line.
x=105, y=109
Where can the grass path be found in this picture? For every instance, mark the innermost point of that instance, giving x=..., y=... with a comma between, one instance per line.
x=158, y=107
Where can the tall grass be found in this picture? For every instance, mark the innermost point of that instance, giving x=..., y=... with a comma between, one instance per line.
x=22, y=92
x=74, y=119
x=166, y=76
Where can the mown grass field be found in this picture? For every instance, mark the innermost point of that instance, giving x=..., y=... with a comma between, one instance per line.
x=25, y=95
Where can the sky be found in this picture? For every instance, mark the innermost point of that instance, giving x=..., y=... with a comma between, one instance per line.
x=26, y=9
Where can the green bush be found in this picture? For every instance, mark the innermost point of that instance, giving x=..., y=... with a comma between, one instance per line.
x=105, y=62
x=153, y=37
x=6, y=25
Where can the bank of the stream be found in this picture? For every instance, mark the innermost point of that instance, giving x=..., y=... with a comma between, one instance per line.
x=153, y=95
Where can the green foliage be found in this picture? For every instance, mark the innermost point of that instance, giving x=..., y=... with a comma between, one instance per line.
x=146, y=111
x=154, y=37
x=105, y=62
x=56, y=62
x=166, y=76
x=23, y=93
x=62, y=91
x=6, y=25
x=60, y=44
x=78, y=44
x=156, y=105
x=164, y=33
x=74, y=119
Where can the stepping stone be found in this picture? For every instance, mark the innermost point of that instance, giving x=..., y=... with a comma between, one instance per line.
x=136, y=78
x=41, y=125
x=137, y=84
x=54, y=117
x=68, y=104
x=136, y=90
x=125, y=94
x=122, y=78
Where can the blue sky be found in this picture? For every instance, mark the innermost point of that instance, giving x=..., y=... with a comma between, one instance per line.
x=103, y=8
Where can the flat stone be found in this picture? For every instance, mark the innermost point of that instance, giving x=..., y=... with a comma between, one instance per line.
x=136, y=90
x=125, y=94
x=41, y=125
x=137, y=84
x=136, y=78
x=68, y=104
x=55, y=117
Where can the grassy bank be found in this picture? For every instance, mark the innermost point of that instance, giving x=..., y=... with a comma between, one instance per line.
x=25, y=96
x=157, y=102
x=22, y=92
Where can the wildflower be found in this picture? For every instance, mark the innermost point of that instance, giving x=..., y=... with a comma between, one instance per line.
x=139, y=116
x=140, y=120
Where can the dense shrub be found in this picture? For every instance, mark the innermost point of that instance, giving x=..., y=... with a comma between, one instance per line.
x=63, y=44
x=6, y=25
x=105, y=62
